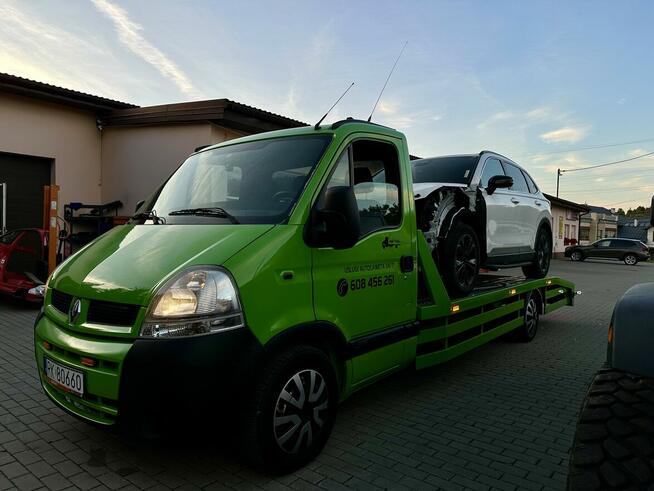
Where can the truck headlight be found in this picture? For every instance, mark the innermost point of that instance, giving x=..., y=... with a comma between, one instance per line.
x=198, y=301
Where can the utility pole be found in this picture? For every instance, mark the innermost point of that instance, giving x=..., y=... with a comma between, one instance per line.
x=558, y=177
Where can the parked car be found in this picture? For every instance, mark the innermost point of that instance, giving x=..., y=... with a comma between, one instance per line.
x=23, y=262
x=628, y=250
x=463, y=201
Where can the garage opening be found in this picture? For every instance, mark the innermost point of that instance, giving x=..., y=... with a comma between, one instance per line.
x=25, y=177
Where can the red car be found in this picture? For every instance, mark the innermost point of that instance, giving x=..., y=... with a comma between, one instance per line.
x=23, y=262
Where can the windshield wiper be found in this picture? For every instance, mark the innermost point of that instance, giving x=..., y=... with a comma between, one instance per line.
x=207, y=212
x=150, y=215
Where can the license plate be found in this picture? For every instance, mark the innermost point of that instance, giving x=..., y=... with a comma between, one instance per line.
x=63, y=377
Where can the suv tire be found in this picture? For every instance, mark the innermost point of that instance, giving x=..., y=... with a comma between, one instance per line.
x=630, y=260
x=614, y=442
x=531, y=315
x=291, y=411
x=459, y=260
x=576, y=256
x=542, y=256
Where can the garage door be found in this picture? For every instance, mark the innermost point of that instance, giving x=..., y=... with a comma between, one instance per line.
x=25, y=177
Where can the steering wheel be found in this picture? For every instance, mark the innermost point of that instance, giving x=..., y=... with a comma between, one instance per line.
x=283, y=196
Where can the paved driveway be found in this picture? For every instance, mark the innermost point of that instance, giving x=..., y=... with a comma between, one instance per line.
x=500, y=417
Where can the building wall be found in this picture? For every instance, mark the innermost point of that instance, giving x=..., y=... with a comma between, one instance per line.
x=67, y=135
x=565, y=224
x=136, y=160
x=599, y=226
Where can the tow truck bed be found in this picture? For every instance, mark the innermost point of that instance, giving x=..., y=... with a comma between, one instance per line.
x=449, y=328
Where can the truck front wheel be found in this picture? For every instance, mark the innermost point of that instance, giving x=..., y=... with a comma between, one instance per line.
x=291, y=411
x=614, y=442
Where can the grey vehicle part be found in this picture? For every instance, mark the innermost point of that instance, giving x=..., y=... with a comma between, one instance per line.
x=447, y=204
x=630, y=333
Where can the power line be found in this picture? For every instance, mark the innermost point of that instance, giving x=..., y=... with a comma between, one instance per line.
x=608, y=163
x=609, y=190
x=579, y=149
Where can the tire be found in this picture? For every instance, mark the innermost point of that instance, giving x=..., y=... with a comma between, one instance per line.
x=283, y=429
x=543, y=256
x=459, y=261
x=614, y=442
x=531, y=316
x=630, y=260
x=576, y=256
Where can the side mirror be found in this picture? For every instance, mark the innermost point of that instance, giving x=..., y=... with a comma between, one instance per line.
x=497, y=182
x=336, y=223
x=138, y=205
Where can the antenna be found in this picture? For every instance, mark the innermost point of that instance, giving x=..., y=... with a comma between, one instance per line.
x=387, y=79
x=333, y=106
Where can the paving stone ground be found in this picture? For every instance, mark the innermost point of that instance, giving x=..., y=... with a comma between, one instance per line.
x=500, y=417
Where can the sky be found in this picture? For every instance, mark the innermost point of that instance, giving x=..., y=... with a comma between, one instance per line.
x=555, y=84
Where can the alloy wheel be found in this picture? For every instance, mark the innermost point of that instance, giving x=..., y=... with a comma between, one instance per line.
x=531, y=318
x=465, y=261
x=576, y=256
x=630, y=260
x=301, y=411
x=543, y=252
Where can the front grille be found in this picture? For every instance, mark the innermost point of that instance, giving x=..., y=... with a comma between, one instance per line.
x=116, y=314
x=61, y=301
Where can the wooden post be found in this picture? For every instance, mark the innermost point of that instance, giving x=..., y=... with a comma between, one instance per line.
x=52, y=203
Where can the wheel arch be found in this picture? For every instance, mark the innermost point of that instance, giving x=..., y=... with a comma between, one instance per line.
x=323, y=335
x=631, y=334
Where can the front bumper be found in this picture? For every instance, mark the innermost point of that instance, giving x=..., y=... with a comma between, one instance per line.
x=147, y=378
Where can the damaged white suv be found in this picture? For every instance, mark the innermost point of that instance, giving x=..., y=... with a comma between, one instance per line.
x=463, y=201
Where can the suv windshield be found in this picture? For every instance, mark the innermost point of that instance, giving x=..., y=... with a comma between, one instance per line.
x=457, y=169
x=255, y=182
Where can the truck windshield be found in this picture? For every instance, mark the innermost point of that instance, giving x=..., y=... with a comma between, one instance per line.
x=255, y=182
x=458, y=169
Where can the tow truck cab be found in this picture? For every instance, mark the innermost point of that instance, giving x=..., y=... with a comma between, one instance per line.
x=279, y=270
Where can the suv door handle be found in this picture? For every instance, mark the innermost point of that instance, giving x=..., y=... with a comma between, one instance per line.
x=537, y=203
x=515, y=201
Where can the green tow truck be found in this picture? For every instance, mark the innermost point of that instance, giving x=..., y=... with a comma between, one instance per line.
x=270, y=276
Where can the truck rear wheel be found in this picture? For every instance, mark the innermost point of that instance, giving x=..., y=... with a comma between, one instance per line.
x=614, y=442
x=291, y=412
x=459, y=262
x=531, y=316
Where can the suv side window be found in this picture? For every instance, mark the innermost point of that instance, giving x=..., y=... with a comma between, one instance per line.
x=533, y=189
x=604, y=243
x=519, y=183
x=373, y=169
x=492, y=167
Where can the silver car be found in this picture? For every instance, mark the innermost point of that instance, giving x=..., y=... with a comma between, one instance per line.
x=465, y=201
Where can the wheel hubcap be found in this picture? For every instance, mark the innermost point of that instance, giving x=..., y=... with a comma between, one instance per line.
x=465, y=261
x=301, y=411
x=630, y=260
x=531, y=317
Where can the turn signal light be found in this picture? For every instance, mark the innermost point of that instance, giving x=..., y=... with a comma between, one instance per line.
x=87, y=362
x=47, y=345
x=611, y=333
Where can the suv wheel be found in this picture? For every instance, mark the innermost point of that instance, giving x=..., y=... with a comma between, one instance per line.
x=291, y=412
x=576, y=256
x=542, y=256
x=459, y=261
x=630, y=259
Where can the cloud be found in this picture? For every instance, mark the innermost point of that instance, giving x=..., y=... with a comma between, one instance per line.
x=130, y=35
x=568, y=134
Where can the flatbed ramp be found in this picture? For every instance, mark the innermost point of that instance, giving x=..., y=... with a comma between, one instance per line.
x=449, y=328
